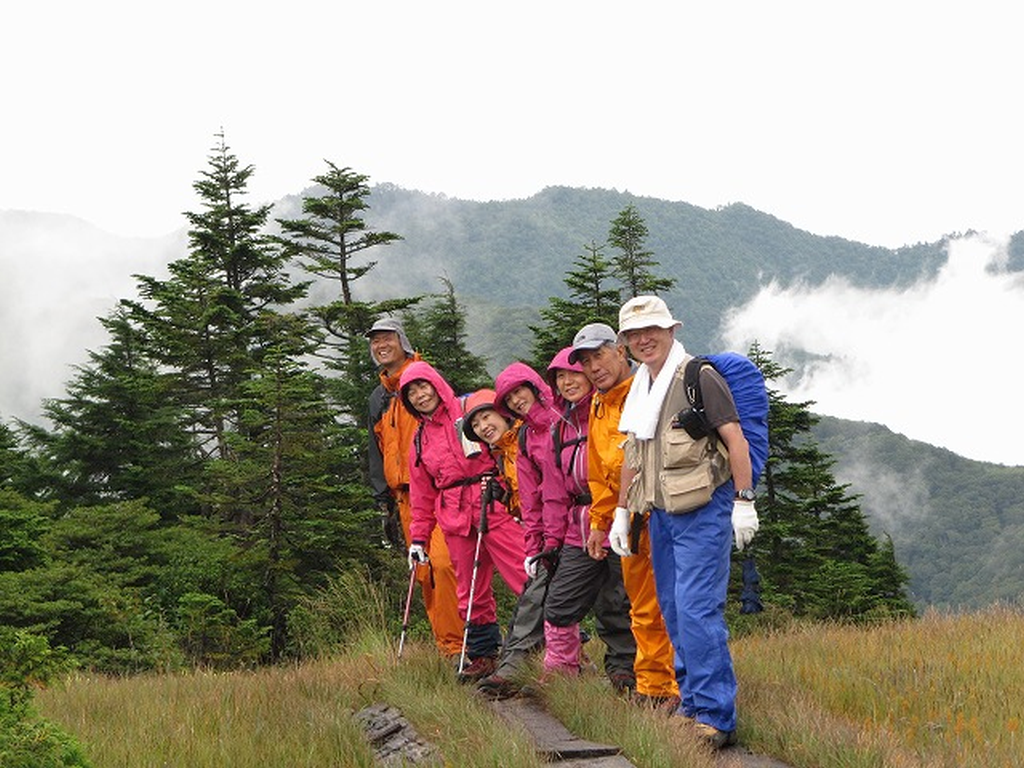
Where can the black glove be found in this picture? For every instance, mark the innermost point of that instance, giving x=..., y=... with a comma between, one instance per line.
x=391, y=524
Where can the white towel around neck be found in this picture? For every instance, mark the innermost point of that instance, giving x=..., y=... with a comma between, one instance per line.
x=643, y=403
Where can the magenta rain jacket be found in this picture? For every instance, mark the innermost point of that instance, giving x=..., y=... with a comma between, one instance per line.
x=565, y=489
x=444, y=484
x=538, y=447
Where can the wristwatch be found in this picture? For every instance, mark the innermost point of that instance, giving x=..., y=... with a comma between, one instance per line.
x=745, y=494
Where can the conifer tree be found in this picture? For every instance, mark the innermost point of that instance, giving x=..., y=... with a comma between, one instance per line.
x=633, y=265
x=12, y=459
x=814, y=550
x=287, y=476
x=439, y=332
x=201, y=320
x=590, y=301
x=117, y=433
x=330, y=242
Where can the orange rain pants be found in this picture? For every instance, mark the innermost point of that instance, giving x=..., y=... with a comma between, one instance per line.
x=440, y=599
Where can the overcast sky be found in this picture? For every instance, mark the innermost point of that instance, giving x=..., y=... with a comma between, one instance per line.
x=888, y=122
x=884, y=122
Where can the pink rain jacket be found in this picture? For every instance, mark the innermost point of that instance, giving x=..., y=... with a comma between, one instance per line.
x=444, y=484
x=564, y=486
x=538, y=446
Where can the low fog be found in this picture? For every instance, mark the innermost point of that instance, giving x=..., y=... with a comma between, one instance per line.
x=59, y=275
x=938, y=362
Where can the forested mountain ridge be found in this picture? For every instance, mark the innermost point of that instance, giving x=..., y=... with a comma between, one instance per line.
x=506, y=258
x=953, y=530
x=956, y=523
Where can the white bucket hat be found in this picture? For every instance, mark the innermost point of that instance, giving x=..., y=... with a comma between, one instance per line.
x=645, y=312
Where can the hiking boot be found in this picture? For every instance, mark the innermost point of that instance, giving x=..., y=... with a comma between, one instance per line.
x=665, y=705
x=586, y=665
x=478, y=668
x=497, y=687
x=623, y=683
x=713, y=737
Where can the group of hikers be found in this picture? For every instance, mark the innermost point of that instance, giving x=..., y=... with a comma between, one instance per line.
x=578, y=485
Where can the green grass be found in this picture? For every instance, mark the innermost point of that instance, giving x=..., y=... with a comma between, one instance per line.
x=937, y=691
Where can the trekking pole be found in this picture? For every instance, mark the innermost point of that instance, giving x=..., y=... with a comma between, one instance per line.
x=485, y=499
x=408, y=605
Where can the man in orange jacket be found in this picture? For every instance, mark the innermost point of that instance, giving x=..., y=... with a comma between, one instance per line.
x=606, y=364
x=392, y=427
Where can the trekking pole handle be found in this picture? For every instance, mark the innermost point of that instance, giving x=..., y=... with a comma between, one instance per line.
x=547, y=554
x=486, y=499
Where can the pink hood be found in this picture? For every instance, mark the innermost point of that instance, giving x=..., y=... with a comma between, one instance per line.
x=427, y=372
x=561, y=361
x=512, y=377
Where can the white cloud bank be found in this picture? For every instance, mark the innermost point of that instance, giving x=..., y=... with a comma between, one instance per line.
x=939, y=362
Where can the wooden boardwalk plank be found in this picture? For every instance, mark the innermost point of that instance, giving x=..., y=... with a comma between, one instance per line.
x=554, y=741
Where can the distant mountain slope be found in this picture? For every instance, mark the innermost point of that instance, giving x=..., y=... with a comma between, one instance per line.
x=506, y=258
x=957, y=524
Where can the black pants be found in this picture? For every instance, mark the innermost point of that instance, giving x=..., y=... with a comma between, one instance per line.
x=580, y=584
x=526, y=631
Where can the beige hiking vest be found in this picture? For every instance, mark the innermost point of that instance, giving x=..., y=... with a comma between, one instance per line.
x=674, y=472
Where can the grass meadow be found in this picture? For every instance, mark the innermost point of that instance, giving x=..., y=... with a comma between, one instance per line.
x=937, y=691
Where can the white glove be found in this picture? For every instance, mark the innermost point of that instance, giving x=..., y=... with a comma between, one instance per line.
x=417, y=556
x=744, y=522
x=530, y=566
x=618, y=536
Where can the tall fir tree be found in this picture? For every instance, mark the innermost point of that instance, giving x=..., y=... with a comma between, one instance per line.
x=815, y=552
x=201, y=320
x=634, y=264
x=590, y=300
x=330, y=241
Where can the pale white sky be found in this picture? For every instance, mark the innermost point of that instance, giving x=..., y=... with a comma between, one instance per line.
x=884, y=122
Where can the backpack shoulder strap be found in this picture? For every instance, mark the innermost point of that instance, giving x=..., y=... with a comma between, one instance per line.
x=691, y=381
x=417, y=441
x=522, y=440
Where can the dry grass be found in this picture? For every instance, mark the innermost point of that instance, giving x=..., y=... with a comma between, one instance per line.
x=943, y=690
x=939, y=691
x=285, y=716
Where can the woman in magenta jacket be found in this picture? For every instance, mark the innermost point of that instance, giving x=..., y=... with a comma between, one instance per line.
x=580, y=583
x=446, y=491
x=521, y=392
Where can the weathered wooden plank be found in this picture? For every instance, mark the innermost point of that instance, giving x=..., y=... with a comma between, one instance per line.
x=553, y=740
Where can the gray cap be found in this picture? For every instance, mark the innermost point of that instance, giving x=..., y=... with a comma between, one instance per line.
x=592, y=336
x=392, y=325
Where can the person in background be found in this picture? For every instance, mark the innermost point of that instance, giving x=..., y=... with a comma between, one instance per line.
x=391, y=432
x=690, y=547
x=446, y=492
x=604, y=361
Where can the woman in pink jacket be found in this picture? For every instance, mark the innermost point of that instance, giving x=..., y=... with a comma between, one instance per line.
x=579, y=583
x=445, y=490
x=521, y=393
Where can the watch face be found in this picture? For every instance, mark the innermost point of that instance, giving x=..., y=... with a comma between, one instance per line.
x=747, y=494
